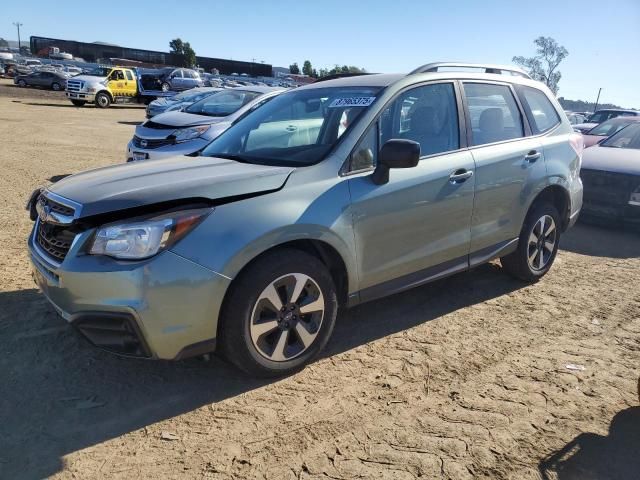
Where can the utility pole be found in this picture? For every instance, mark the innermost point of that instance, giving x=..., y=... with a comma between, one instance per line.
x=597, y=100
x=18, y=25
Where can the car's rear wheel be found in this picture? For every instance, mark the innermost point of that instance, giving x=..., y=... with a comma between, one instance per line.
x=537, y=245
x=279, y=314
x=22, y=83
x=78, y=103
x=165, y=87
x=56, y=86
x=103, y=100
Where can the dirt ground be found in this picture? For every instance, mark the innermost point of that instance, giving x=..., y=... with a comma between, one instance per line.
x=475, y=376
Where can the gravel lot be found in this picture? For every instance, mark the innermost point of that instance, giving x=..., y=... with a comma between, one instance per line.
x=476, y=376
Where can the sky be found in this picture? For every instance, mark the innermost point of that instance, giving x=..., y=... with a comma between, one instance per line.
x=603, y=38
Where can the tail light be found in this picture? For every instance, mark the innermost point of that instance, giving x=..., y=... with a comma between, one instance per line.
x=577, y=143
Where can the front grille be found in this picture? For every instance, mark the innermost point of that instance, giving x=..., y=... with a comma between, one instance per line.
x=608, y=188
x=52, y=238
x=55, y=240
x=152, y=143
x=74, y=86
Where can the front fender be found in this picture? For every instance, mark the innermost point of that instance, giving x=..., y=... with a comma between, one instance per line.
x=236, y=233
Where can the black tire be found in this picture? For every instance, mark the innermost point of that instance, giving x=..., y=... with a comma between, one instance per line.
x=103, y=100
x=78, y=103
x=55, y=86
x=533, y=259
x=22, y=83
x=165, y=87
x=246, y=299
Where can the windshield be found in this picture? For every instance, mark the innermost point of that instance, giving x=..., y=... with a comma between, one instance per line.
x=628, y=137
x=99, y=72
x=296, y=128
x=608, y=128
x=222, y=103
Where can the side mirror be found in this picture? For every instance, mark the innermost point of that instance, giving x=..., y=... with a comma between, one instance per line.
x=395, y=153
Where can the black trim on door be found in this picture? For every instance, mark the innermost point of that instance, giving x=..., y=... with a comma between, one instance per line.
x=436, y=272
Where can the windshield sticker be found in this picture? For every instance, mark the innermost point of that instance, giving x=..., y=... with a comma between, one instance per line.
x=352, y=102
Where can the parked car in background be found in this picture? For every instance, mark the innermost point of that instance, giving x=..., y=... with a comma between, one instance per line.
x=326, y=196
x=601, y=116
x=178, y=79
x=72, y=71
x=606, y=129
x=210, y=80
x=611, y=177
x=189, y=131
x=179, y=101
x=48, y=79
x=575, y=118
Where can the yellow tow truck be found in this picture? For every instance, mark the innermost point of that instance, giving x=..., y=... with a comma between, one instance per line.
x=104, y=86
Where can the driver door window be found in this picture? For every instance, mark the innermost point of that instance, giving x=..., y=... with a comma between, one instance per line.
x=427, y=115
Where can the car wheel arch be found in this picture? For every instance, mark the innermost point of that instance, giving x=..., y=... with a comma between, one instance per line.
x=325, y=252
x=559, y=197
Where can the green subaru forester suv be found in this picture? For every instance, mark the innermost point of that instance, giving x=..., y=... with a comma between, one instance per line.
x=324, y=197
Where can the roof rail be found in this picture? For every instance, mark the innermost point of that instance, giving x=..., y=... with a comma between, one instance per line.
x=340, y=75
x=488, y=68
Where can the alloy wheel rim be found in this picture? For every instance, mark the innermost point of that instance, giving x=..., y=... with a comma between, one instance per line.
x=542, y=242
x=287, y=317
x=102, y=100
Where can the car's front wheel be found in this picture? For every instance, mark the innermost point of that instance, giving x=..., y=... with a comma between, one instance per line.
x=165, y=87
x=56, y=86
x=279, y=314
x=103, y=100
x=537, y=245
x=22, y=83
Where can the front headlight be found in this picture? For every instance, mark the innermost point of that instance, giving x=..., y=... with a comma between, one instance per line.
x=144, y=239
x=635, y=197
x=186, y=134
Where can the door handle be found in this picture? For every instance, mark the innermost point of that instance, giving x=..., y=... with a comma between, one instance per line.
x=460, y=176
x=532, y=156
x=291, y=128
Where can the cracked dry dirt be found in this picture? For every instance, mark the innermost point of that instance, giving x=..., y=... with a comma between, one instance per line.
x=464, y=378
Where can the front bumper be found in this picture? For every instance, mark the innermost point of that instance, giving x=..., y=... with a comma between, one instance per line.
x=165, y=307
x=85, y=97
x=185, y=148
x=621, y=214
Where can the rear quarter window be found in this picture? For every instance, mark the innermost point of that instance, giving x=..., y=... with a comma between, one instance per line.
x=540, y=111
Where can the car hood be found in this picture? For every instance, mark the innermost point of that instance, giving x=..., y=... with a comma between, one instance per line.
x=611, y=159
x=131, y=185
x=90, y=78
x=183, y=119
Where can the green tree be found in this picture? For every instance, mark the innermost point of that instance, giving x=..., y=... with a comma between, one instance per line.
x=189, y=56
x=184, y=51
x=3, y=42
x=543, y=66
x=307, y=69
x=177, y=46
x=294, y=69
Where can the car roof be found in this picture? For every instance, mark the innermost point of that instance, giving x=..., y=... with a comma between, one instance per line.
x=636, y=112
x=387, y=79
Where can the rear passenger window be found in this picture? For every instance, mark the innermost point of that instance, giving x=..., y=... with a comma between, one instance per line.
x=427, y=115
x=495, y=116
x=542, y=116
